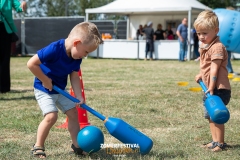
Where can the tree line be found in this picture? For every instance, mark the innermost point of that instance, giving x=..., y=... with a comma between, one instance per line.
x=50, y=8
x=219, y=3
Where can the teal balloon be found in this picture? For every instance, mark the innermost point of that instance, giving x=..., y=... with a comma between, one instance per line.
x=90, y=139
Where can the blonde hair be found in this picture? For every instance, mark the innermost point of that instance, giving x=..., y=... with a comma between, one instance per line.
x=206, y=20
x=87, y=32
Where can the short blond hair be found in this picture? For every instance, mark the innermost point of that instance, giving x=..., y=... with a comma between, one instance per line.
x=206, y=20
x=87, y=32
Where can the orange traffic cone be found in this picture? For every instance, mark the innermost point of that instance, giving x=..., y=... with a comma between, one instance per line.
x=82, y=113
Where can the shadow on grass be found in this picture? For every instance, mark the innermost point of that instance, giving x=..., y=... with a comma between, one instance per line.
x=13, y=95
x=18, y=98
x=235, y=146
x=104, y=154
x=17, y=91
x=21, y=91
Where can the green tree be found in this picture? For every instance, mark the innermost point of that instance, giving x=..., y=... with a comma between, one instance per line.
x=92, y=4
x=41, y=8
x=53, y=7
x=218, y=3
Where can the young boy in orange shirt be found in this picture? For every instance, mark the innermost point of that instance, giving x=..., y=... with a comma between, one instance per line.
x=213, y=71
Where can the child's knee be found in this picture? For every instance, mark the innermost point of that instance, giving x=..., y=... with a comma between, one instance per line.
x=72, y=113
x=51, y=117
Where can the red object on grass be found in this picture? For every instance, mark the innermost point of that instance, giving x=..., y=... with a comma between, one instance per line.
x=82, y=113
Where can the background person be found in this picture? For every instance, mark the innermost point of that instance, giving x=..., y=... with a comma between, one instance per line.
x=169, y=33
x=159, y=33
x=196, y=45
x=149, y=33
x=7, y=27
x=229, y=64
x=182, y=33
x=139, y=33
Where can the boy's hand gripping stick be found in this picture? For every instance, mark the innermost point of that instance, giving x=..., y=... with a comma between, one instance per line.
x=217, y=110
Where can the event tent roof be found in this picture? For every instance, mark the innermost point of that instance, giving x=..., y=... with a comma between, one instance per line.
x=151, y=7
x=126, y=7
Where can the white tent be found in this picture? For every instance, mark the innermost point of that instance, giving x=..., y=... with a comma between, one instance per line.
x=128, y=7
x=142, y=11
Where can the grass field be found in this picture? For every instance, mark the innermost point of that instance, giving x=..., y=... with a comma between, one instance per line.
x=143, y=93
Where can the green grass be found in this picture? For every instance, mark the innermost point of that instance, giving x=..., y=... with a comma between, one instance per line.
x=145, y=94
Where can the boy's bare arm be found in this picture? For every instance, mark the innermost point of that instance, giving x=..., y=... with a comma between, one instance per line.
x=77, y=88
x=213, y=74
x=198, y=77
x=34, y=66
x=179, y=35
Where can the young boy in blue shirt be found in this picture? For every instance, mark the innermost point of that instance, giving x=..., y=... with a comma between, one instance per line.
x=51, y=66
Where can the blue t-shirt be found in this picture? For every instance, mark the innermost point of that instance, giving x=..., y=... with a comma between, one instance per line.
x=183, y=31
x=56, y=65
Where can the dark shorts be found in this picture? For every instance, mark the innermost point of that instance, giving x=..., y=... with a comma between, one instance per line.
x=225, y=96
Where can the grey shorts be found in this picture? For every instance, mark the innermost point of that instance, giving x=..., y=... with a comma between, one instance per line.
x=52, y=102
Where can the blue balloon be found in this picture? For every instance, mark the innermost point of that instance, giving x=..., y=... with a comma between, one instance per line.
x=90, y=139
x=229, y=25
